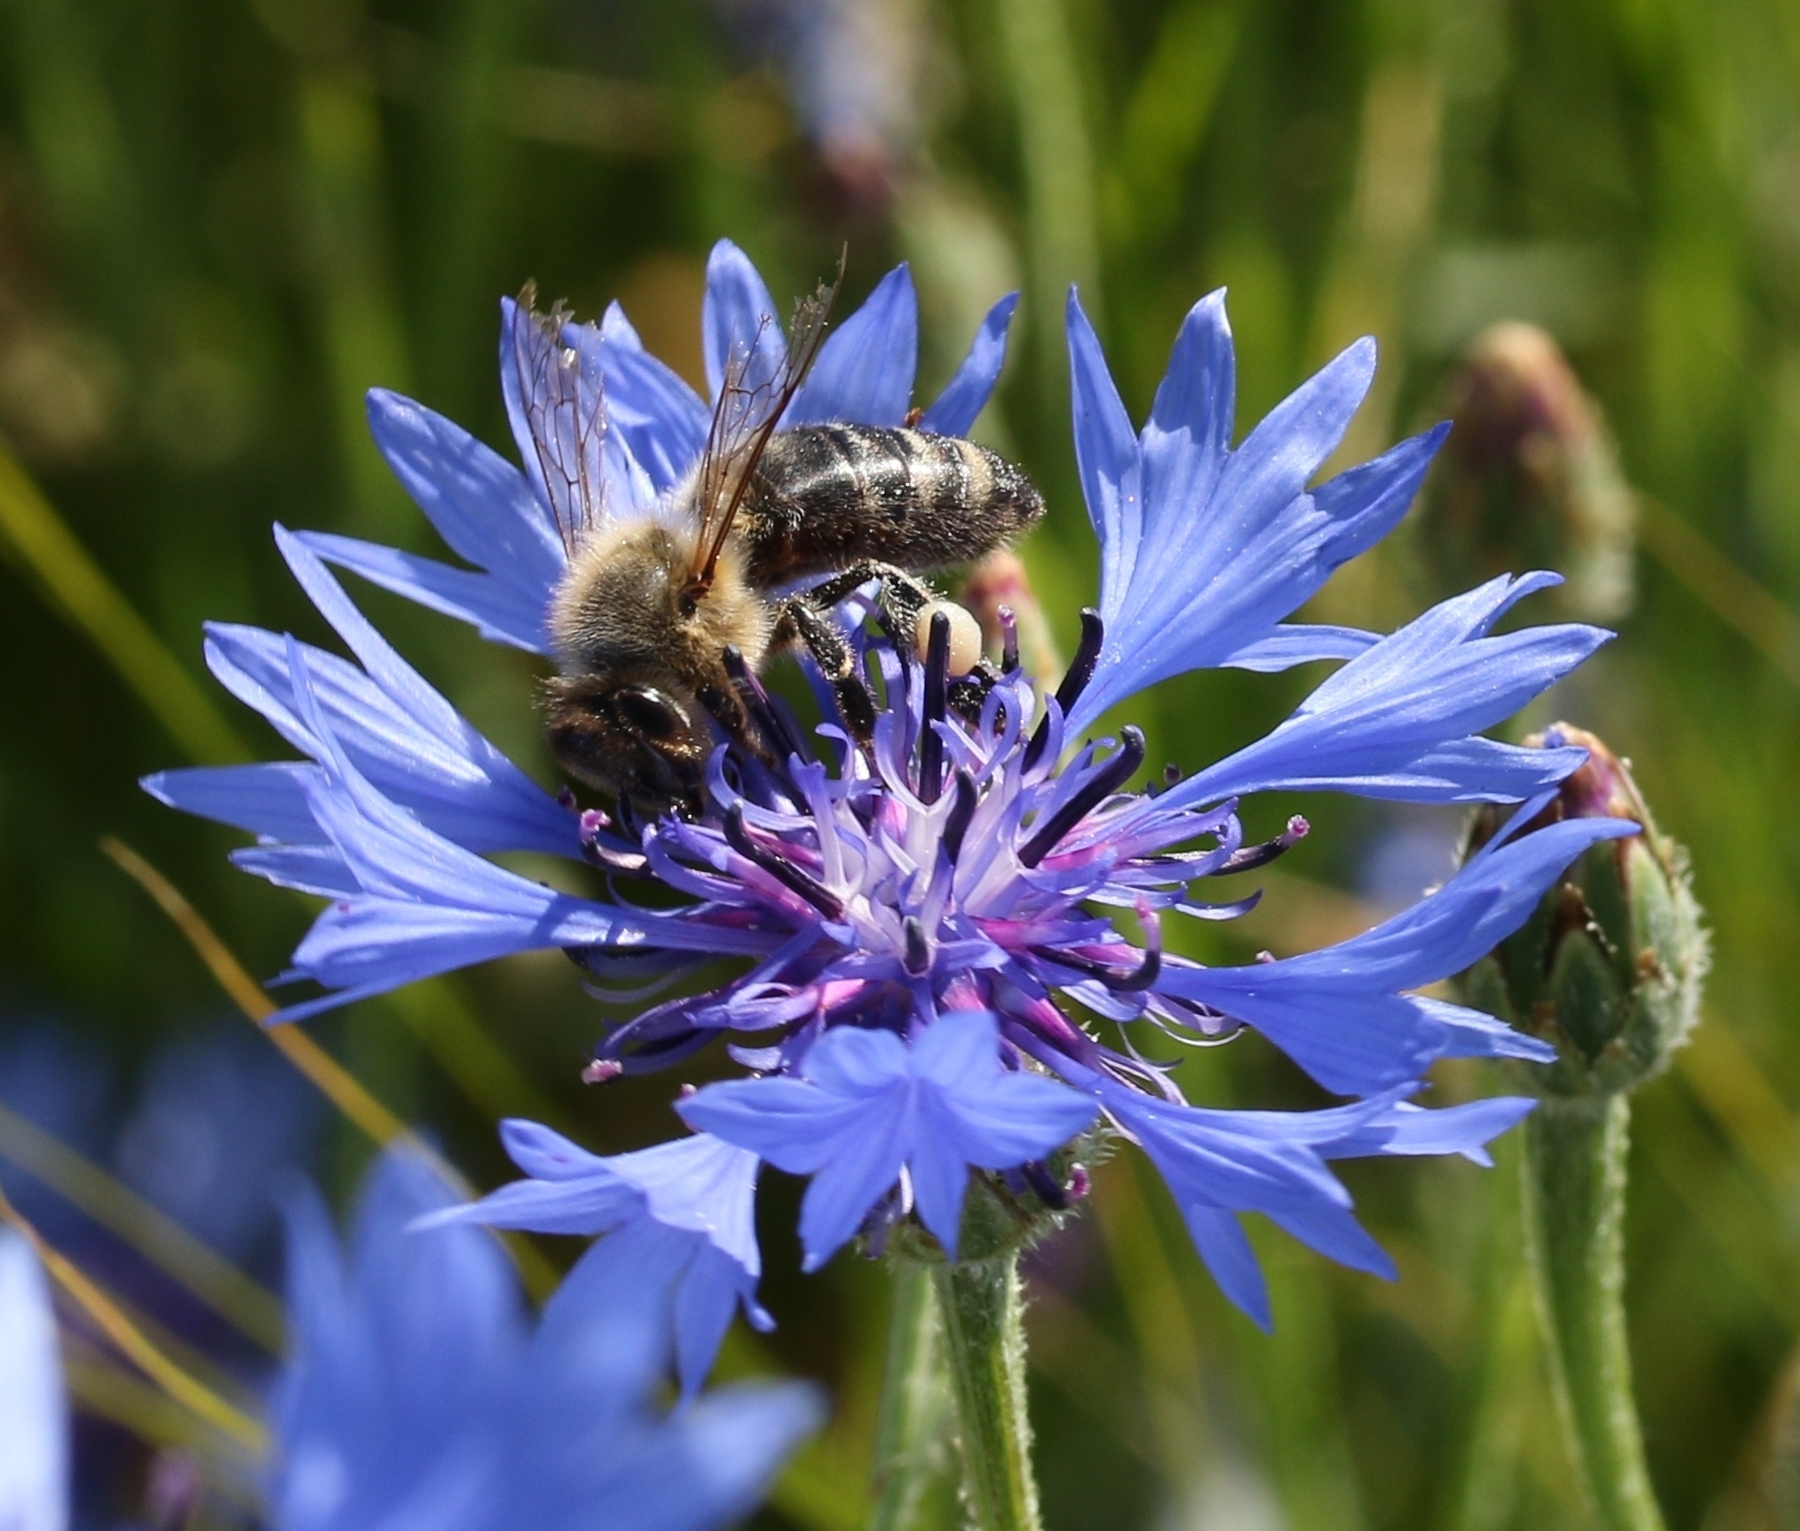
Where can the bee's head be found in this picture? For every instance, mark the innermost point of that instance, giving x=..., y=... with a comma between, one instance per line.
x=640, y=735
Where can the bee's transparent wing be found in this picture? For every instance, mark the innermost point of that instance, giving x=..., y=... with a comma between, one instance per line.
x=744, y=418
x=565, y=420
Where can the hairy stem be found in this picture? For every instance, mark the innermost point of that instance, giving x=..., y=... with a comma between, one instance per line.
x=915, y=1405
x=1574, y=1200
x=983, y=1314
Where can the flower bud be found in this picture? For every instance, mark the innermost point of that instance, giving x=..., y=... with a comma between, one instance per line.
x=1609, y=967
x=1529, y=478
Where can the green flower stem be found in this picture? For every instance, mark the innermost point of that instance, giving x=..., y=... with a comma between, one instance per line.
x=1574, y=1195
x=915, y=1404
x=984, y=1341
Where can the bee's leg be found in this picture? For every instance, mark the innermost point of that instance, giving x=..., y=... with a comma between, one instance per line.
x=902, y=596
x=836, y=661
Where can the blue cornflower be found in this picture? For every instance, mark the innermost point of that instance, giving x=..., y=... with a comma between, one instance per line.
x=418, y=1394
x=934, y=984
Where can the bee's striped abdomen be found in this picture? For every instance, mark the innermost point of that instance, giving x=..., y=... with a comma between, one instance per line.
x=826, y=496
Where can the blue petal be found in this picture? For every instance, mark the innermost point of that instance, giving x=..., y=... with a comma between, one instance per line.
x=738, y=318
x=1228, y=1256
x=1000, y=1117
x=730, y=1444
x=608, y=1330
x=415, y=1396
x=34, y=1414
x=956, y=409
x=700, y=1190
x=1410, y=1130
x=316, y=869
x=384, y=1404
x=448, y=1309
x=500, y=612
x=480, y=504
x=864, y=371
x=400, y=731
x=1337, y=1235
x=594, y=1204
x=865, y=1164
x=1188, y=437
x=1395, y=721
x=706, y=1301
x=429, y=906
x=789, y=1122
x=847, y=1126
x=1106, y=451
x=1223, y=563
x=703, y=1185
x=871, y=1104
x=265, y=799
x=1296, y=644
x=1340, y=1013
x=1219, y=1164
x=545, y=1154
x=662, y=420
x=1204, y=551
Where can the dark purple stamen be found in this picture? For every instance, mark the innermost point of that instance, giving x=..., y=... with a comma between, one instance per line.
x=778, y=867
x=1119, y=980
x=1009, y=640
x=1087, y=656
x=962, y=811
x=647, y=1057
x=1074, y=682
x=917, y=960
x=769, y=718
x=1100, y=786
x=1252, y=856
x=937, y=676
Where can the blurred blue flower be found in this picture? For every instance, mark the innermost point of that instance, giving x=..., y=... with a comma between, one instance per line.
x=944, y=896
x=220, y=1119
x=34, y=1413
x=419, y=1395
x=215, y=1121
x=851, y=68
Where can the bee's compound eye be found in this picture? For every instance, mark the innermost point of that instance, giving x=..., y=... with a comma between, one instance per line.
x=965, y=635
x=654, y=714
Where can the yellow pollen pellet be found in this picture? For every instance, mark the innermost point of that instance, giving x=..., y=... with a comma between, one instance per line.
x=965, y=635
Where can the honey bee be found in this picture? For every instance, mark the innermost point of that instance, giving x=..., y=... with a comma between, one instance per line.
x=653, y=610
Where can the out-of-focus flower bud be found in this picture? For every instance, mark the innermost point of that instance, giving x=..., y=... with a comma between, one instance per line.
x=1530, y=478
x=1608, y=969
x=1000, y=583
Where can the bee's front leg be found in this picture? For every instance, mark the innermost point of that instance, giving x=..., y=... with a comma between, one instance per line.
x=836, y=660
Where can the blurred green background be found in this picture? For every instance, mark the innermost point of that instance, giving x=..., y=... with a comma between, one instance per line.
x=222, y=220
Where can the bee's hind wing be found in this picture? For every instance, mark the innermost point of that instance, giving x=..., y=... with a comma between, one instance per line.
x=563, y=411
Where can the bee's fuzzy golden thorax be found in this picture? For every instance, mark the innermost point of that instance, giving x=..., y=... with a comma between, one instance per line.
x=626, y=604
